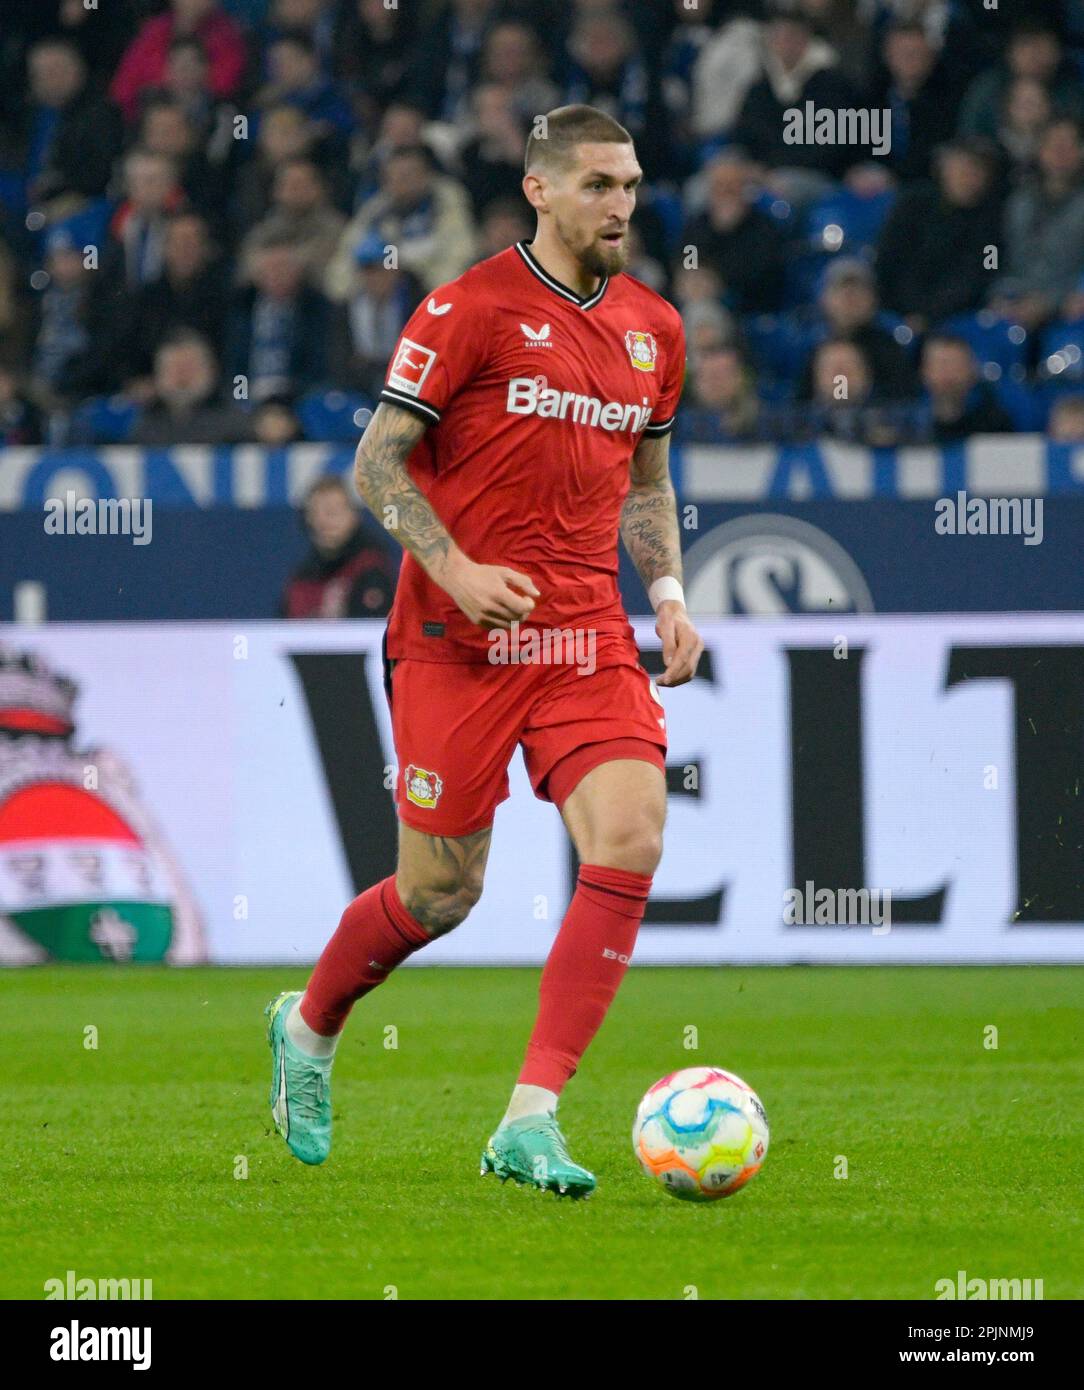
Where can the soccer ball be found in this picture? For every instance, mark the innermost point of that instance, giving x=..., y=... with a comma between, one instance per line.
x=700, y=1132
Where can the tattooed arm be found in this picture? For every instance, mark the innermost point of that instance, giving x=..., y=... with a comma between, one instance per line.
x=490, y=595
x=649, y=528
x=391, y=494
x=649, y=525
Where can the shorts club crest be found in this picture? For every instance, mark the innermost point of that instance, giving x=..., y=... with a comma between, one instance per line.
x=422, y=787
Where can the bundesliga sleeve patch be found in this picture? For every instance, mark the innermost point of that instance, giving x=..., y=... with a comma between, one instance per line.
x=410, y=367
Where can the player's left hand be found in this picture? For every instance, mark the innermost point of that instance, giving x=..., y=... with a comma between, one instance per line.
x=681, y=643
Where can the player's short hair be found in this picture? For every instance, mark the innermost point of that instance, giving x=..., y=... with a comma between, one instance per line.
x=551, y=149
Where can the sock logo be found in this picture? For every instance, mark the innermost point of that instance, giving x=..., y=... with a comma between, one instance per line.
x=607, y=954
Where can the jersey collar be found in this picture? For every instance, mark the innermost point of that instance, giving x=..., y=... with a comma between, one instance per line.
x=555, y=285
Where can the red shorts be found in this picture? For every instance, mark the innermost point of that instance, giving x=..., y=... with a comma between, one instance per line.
x=457, y=724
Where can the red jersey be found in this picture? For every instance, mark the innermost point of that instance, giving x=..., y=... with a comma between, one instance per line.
x=536, y=398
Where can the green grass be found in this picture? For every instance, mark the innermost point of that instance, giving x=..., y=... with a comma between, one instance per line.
x=121, y=1161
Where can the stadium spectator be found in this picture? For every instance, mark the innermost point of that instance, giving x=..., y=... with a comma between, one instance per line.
x=187, y=84
x=798, y=68
x=1026, y=113
x=66, y=356
x=278, y=327
x=284, y=132
x=402, y=126
x=514, y=61
x=313, y=18
x=933, y=251
x=708, y=325
x=951, y=28
x=446, y=59
x=20, y=419
x=99, y=32
x=167, y=129
x=491, y=161
x=185, y=408
x=736, y=240
x=371, y=54
x=147, y=56
x=842, y=386
x=504, y=222
x=425, y=215
x=295, y=78
x=844, y=25
x=191, y=292
x=691, y=284
x=72, y=136
x=960, y=404
x=137, y=231
x=606, y=69
x=1066, y=425
x=275, y=423
x=1044, y=231
x=642, y=264
x=301, y=216
x=187, y=80
x=706, y=70
x=718, y=64
x=347, y=573
x=922, y=99
x=848, y=306
x=1034, y=51
x=367, y=327
x=723, y=383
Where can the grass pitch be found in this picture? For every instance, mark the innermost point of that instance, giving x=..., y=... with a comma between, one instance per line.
x=152, y=1155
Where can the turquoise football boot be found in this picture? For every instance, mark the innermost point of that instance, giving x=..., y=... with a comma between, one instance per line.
x=532, y=1150
x=300, y=1087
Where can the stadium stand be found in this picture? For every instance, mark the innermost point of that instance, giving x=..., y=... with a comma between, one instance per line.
x=295, y=139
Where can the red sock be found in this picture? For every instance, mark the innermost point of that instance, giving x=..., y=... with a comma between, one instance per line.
x=375, y=934
x=587, y=962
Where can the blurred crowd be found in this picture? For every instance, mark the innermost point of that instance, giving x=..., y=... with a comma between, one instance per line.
x=197, y=201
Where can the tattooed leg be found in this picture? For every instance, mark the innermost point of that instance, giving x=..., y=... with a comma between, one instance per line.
x=439, y=877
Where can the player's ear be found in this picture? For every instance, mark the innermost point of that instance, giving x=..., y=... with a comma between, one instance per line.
x=534, y=190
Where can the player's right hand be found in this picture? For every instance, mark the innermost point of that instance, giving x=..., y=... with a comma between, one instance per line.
x=493, y=596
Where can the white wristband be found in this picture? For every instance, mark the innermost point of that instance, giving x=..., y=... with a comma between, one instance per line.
x=665, y=588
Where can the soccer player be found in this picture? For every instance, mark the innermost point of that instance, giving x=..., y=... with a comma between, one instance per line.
x=523, y=426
